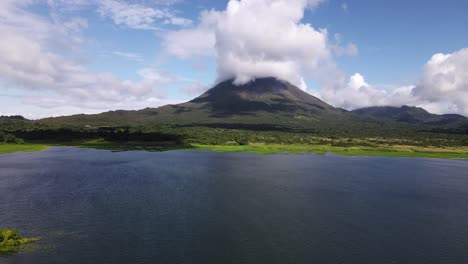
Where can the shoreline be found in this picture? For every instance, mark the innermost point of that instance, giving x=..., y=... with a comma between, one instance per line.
x=364, y=151
x=27, y=147
x=257, y=148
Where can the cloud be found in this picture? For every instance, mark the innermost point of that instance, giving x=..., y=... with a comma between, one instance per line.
x=34, y=57
x=344, y=7
x=137, y=16
x=40, y=106
x=129, y=55
x=198, y=41
x=348, y=50
x=27, y=64
x=444, y=82
x=357, y=93
x=442, y=88
x=259, y=38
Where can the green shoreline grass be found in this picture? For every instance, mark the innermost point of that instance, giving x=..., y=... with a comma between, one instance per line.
x=257, y=148
x=27, y=147
x=385, y=151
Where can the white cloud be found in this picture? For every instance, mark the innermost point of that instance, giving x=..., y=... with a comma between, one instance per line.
x=442, y=88
x=34, y=57
x=348, y=50
x=129, y=55
x=444, y=82
x=199, y=41
x=138, y=16
x=344, y=6
x=260, y=38
x=357, y=93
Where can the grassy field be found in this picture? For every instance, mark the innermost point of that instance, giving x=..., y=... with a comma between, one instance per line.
x=258, y=148
x=265, y=149
x=388, y=151
x=28, y=147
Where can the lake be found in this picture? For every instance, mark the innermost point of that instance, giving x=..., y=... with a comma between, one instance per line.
x=98, y=206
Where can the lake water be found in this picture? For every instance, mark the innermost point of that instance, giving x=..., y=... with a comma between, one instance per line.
x=96, y=206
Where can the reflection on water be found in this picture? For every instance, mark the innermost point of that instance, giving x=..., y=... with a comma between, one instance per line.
x=96, y=206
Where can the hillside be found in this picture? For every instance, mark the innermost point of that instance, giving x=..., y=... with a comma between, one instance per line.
x=414, y=115
x=15, y=117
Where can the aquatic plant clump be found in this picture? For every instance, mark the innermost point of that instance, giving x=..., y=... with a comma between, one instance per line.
x=11, y=241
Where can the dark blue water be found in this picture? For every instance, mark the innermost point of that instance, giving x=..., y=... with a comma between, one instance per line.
x=94, y=206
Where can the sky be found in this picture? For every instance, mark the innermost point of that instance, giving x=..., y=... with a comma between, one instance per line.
x=63, y=57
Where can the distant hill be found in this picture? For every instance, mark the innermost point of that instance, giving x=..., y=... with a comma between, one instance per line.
x=15, y=117
x=413, y=115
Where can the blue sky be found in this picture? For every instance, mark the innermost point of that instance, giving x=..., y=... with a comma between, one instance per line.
x=86, y=56
x=395, y=38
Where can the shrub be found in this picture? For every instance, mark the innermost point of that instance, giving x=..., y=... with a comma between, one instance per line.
x=6, y=138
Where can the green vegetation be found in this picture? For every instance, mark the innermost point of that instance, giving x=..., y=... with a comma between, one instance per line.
x=6, y=138
x=362, y=149
x=11, y=241
x=247, y=138
x=389, y=151
x=27, y=147
x=263, y=139
x=9, y=143
x=415, y=115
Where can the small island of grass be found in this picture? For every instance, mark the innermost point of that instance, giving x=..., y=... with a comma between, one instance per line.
x=11, y=241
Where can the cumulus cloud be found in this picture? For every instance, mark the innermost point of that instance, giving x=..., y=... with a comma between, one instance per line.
x=444, y=82
x=198, y=41
x=260, y=38
x=33, y=58
x=129, y=55
x=139, y=16
x=442, y=88
x=357, y=93
x=27, y=64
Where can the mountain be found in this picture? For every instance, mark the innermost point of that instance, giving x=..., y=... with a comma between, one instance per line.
x=267, y=94
x=413, y=115
x=15, y=117
x=263, y=101
x=269, y=104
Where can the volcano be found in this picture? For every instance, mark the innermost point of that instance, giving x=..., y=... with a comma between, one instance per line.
x=267, y=95
x=262, y=101
x=265, y=103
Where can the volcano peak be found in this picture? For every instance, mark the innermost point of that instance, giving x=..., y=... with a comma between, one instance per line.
x=263, y=94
